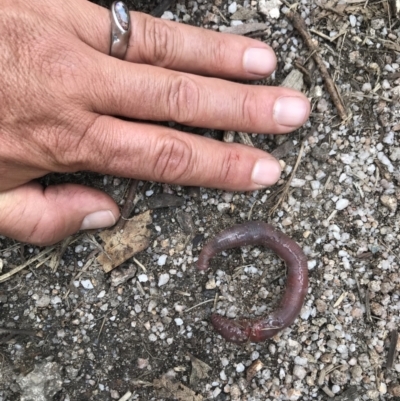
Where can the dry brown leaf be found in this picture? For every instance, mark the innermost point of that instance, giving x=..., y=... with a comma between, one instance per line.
x=199, y=370
x=175, y=390
x=120, y=245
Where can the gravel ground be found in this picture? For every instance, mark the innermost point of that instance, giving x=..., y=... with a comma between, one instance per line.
x=143, y=332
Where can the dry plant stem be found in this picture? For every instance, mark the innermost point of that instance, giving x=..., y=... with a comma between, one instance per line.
x=285, y=189
x=245, y=139
x=367, y=307
x=394, y=336
x=31, y=333
x=128, y=205
x=8, y=275
x=300, y=25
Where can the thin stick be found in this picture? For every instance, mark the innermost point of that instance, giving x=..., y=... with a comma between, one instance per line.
x=140, y=265
x=285, y=189
x=367, y=306
x=300, y=25
x=31, y=333
x=8, y=275
x=201, y=303
x=128, y=205
x=102, y=326
x=394, y=336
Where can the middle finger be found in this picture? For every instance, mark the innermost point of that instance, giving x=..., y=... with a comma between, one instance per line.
x=154, y=93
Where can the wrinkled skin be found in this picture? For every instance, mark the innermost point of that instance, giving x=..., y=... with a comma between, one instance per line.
x=61, y=95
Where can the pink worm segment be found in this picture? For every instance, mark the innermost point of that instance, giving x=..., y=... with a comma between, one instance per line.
x=260, y=233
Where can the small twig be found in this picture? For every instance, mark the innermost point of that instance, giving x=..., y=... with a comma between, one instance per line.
x=140, y=288
x=222, y=15
x=102, y=326
x=21, y=252
x=139, y=264
x=391, y=356
x=215, y=302
x=9, y=274
x=367, y=306
x=57, y=256
x=128, y=205
x=332, y=215
x=328, y=369
x=201, y=303
x=358, y=286
x=245, y=139
x=251, y=210
x=286, y=187
x=185, y=294
x=31, y=333
x=300, y=25
x=340, y=299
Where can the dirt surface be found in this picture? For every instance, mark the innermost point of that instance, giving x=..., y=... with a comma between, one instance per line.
x=151, y=335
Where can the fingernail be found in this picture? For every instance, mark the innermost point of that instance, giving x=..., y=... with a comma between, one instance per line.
x=259, y=61
x=100, y=219
x=266, y=172
x=291, y=111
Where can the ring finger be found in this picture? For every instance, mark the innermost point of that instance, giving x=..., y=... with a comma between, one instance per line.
x=179, y=47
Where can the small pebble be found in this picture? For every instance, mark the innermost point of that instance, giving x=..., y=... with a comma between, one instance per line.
x=240, y=367
x=163, y=279
x=169, y=16
x=143, y=278
x=232, y=7
x=161, y=260
x=299, y=372
x=223, y=207
x=211, y=284
x=390, y=202
x=366, y=87
x=87, y=284
x=43, y=301
x=342, y=204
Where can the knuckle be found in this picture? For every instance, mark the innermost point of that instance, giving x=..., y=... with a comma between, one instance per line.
x=218, y=55
x=65, y=146
x=247, y=108
x=173, y=160
x=161, y=43
x=183, y=99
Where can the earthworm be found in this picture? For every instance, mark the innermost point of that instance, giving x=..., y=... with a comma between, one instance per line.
x=260, y=233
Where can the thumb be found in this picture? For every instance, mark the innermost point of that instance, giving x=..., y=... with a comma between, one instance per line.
x=40, y=216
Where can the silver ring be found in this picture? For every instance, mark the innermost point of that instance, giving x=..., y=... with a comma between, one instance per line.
x=120, y=29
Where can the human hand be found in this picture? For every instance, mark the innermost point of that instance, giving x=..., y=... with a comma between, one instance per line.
x=61, y=93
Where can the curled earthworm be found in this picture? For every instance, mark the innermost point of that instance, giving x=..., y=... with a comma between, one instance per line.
x=260, y=233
